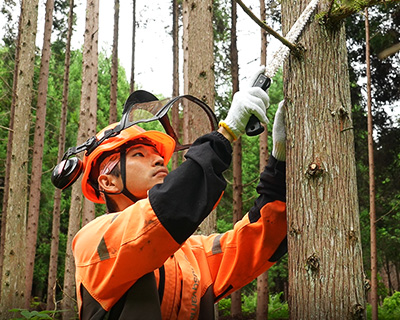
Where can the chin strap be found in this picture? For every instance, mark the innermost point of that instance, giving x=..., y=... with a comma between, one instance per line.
x=123, y=176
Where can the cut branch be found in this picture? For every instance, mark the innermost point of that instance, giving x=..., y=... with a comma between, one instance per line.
x=389, y=51
x=264, y=26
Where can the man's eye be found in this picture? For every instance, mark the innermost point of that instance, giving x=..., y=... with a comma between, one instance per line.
x=137, y=154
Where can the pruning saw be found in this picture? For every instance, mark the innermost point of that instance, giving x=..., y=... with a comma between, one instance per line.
x=263, y=81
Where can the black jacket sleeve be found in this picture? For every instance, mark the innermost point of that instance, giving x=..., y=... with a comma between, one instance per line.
x=272, y=186
x=190, y=192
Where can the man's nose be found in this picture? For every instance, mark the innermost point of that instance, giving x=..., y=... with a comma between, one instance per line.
x=158, y=160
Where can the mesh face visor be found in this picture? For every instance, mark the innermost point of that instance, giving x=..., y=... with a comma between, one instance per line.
x=184, y=118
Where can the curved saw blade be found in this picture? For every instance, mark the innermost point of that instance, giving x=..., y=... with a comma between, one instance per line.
x=279, y=56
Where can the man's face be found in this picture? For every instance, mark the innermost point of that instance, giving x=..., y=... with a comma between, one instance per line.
x=144, y=169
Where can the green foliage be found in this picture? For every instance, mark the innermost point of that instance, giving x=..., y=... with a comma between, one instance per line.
x=356, y=5
x=35, y=315
x=391, y=307
x=249, y=303
x=276, y=308
x=389, y=310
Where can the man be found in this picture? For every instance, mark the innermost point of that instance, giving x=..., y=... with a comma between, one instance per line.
x=141, y=261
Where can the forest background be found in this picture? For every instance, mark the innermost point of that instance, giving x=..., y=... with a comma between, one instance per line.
x=384, y=20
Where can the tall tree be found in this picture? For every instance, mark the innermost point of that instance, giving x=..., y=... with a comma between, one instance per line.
x=325, y=260
x=374, y=264
x=383, y=24
x=236, y=297
x=199, y=72
x=13, y=273
x=86, y=129
x=37, y=156
x=114, y=66
x=52, y=279
x=89, y=91
x=262, y=280
x=133, y=45
x=175, y=69
x=9, y=146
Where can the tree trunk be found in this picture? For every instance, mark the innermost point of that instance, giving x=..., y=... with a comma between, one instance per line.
x=86, y=129
x=325, y=258
x=199, y=73
x=262, y=280
x=236, y=297
x=114, y=67
x=9, y=147
x=237, y=193
x=37, y=157
x=372, y=211
x=13, y=273
x=89, y=89
x=55, y=238
x=175, y=70
x=68, y=301
x=133, y=45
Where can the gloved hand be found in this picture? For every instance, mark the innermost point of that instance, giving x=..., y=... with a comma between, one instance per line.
x=279, y=133
x=248, y=101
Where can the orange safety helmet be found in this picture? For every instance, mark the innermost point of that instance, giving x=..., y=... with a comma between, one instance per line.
x=91, y=163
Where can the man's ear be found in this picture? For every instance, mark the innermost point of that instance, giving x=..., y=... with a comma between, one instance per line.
x=109, y=183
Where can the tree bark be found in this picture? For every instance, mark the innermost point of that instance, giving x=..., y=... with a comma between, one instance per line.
x=53, y=264
x=325, y=258
x=37, y=157
x=89, y=89
x=237, y=193
x=114, y=67
x=262, y=280
x=13, y=273
x=86, y=129
x=133, y=45
x=175, y=70
x=9, y=146
x=236, y=297
x=372, y=211
x=199, y=72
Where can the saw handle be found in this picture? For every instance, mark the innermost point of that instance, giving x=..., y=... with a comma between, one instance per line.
x=254, y=126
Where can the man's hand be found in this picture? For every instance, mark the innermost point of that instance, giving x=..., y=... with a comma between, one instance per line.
x=279, y=133
x=251, y=100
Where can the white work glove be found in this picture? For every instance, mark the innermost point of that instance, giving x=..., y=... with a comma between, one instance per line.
x=279, y=133
x=248, y=101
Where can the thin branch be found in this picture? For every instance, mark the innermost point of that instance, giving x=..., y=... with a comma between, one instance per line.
x=5, y=128
x=387, y=213
x=266, y=27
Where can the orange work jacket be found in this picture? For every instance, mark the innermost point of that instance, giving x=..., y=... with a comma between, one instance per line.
x=114, y=252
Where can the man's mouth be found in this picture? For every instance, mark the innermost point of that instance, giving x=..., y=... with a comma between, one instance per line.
x=161, y=172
